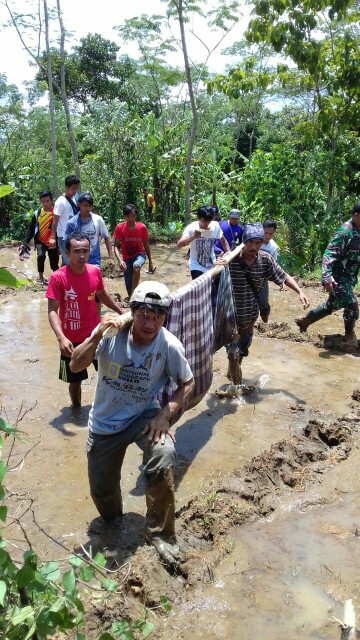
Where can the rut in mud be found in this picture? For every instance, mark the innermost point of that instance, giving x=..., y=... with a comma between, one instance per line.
x=282, y=331
x=251, y=492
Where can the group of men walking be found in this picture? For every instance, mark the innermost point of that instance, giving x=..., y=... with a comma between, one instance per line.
x=134, y=363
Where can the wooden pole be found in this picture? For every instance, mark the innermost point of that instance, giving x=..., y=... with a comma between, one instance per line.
x=230, y=256
x=348, y=632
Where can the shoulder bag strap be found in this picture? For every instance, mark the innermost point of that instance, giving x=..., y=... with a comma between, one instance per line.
x=73, y=205
x=246, y=271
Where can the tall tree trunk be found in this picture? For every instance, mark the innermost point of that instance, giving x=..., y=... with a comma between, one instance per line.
x=63, y=92
x=51, y=104
x=179, y=7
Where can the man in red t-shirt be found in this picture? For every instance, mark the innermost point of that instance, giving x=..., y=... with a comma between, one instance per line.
x=72, y=309
x=132, y=239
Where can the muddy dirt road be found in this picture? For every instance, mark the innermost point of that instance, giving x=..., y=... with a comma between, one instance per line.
x=267, y=494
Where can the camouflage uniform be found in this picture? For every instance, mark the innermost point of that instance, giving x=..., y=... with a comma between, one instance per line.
x=341, y=261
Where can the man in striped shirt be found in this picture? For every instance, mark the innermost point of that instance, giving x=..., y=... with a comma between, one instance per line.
x=249, y=271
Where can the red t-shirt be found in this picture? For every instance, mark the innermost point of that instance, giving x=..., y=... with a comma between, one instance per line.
x=131, y=239
x=76, y=293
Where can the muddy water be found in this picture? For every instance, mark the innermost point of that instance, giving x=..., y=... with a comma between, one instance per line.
x=286, y=576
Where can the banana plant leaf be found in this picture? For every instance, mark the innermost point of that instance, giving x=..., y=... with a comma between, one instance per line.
x=8, y=279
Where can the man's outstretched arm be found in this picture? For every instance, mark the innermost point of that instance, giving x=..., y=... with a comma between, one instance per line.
x=290, y=282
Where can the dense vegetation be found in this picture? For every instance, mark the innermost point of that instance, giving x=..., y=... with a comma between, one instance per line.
x=277, y=135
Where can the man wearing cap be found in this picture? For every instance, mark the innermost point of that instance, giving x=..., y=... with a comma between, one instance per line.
x=133, y=366
x=340, y=268
x=232, y=231
x=248, y=271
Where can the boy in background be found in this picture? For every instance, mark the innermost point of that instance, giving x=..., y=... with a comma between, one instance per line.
x=40, y=229
x=269, y=246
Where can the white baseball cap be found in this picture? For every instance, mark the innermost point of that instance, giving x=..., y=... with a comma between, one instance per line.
x=153, y=293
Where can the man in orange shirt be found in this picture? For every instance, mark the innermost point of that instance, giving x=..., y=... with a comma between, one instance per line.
x=40, y=229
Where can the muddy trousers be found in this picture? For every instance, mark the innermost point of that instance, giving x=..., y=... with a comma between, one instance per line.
x=264, y=305
x=351, y=313
x=105, y=458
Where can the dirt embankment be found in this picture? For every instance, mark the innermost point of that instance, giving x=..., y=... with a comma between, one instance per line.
x=205, y=525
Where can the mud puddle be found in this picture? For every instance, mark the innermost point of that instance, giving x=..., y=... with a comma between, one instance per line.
x=229, y=589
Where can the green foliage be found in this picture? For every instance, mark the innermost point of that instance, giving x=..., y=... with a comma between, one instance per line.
x=123, y=630
x=37, y=601
x=5, y=190
x=92, y=71
x=272, y=137
x=8, y=279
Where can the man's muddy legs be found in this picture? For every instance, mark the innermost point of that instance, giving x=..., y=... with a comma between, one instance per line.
x=350, y=335
x=234, y=370
x=313, y=316
x=75, y=394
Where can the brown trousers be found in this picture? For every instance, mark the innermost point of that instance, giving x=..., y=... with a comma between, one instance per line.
x=105, y=459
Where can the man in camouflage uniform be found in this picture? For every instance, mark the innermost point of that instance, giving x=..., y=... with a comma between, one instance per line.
x=340, y=268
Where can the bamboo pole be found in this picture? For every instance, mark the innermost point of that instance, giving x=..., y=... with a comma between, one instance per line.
x=349, y=630
x=126, y=318
x=230, y=256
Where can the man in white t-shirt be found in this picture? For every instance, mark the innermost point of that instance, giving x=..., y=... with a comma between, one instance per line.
x=269, y=246
x=134, y=364
x=201, y=237
x=93, y=226
x=65, y=207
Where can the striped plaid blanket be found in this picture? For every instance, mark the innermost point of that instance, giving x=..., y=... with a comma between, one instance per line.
x=190, y=319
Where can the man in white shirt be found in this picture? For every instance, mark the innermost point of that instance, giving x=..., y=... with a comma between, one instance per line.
x=65, y=207
x=201, y=237
x=269, y=246
x=93, y=226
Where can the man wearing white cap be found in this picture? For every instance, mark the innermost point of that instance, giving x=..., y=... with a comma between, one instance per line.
x=133, y=366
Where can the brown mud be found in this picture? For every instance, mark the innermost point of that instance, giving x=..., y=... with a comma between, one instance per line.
x=282, y=331
x=267, y=486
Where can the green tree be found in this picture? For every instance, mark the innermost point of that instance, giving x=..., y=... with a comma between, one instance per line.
x=322, y=39
x=93, y=72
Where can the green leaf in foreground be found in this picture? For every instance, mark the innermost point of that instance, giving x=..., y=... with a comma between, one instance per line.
x=5, y=190
x=144, y=626
x=8, y=279
x=2, y=592
x=50, y=571
x=3, y=513
x=68, y=581
x=110, y=585
x=122, y=630
x=165, y=604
